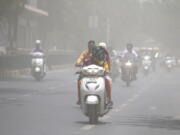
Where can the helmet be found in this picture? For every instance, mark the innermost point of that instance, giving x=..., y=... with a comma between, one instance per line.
x=103, y=44
x=38, y=41
x=129, y=46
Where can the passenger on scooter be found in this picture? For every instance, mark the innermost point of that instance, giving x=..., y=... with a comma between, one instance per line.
x=96, y=54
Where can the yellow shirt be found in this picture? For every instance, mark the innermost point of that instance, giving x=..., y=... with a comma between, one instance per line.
x=82, y=56
x=104, y=64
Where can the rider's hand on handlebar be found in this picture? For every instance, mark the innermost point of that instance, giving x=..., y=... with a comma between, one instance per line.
x=78, y=72
x=107, y=72
x=78, y=65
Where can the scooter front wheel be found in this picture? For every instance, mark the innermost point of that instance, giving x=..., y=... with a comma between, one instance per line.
x=128, y=83
x=92, y=113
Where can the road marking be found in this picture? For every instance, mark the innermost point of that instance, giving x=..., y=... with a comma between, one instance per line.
x=11, y=98
x=131, y=100
x=136, y=96
x=105, y=117
x=52, y=88
x=152, y=108
x=141, y=92
x=87, y=127
x=116, y=110
x=27, y=95
x=123, y=105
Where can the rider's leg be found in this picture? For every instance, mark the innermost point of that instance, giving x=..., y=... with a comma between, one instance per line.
x=122, y=73
x=109, y=90
x=135, y=72
x=78, y=90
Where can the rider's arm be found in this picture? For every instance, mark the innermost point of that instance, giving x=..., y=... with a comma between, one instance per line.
x=135, y=53
x=106, y=66
x=108, y=59
x=81, y=57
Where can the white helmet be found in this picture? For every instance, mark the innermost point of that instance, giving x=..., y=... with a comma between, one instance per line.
x=38, y=41
x=103, y=44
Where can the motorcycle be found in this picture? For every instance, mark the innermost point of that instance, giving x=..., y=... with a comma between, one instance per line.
x=93, y=94
x=146, y=64
x=38, y=66
x=128, y=72
x=169, y=65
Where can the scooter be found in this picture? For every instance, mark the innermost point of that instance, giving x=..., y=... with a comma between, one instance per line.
x=115, y=68
x=93, y=94
x=146, y=64
x=128, y=74
x=169, y=65
x=38, y=66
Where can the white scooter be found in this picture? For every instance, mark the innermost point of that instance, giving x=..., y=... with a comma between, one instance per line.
x=116, y=70
x=128, y=72
x=38, y=66
x=93, y=94
x=146, y=64
x=169, y=64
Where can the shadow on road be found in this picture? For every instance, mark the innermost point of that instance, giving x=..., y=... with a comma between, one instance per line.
x=87, y=123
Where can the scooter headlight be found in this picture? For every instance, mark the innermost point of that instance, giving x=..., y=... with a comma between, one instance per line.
x=168, y=61
x=146, y=67
x=128, y=64
x=37, y=69
x=39, y=62
x=92, y=100
x=146, y=57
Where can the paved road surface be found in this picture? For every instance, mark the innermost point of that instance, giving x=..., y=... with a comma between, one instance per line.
x=149, y=107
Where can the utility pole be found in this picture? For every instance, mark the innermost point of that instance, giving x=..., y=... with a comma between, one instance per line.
x=108, y=30
x=93, y=20
x=108, y=25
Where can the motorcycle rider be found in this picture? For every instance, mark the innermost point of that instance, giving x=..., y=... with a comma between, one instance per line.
x=104, y=46
x=130, y=54
x=81, y=62
x=97, y=54
x=101, y=58
x=38, y=47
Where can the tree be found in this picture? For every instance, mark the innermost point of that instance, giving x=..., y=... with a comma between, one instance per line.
x=10, y=9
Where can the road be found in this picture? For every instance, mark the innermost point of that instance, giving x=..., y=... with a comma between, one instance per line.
x=149, y=107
